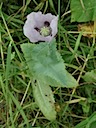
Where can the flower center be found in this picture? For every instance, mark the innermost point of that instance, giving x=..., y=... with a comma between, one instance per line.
x=45, y=31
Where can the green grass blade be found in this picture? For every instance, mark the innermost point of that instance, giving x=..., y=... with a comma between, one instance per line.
x=19, y=108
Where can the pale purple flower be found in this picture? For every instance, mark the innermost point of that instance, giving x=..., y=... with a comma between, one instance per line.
x=40, y=27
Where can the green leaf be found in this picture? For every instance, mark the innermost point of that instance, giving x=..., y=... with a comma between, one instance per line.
x=89, y=122
x=44, y=61
x=44, y=99
x=83, y=10
x=90, y=76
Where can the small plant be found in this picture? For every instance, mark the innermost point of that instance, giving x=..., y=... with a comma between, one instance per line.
x=44, y=61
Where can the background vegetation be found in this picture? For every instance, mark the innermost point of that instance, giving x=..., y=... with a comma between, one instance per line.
x=17, y=105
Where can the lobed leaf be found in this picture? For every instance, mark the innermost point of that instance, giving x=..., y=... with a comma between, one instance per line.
x=45, y=62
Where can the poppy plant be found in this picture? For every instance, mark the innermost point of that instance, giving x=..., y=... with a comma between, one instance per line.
x=40, y=27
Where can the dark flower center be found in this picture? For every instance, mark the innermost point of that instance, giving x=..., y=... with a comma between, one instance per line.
x=46, y=23
x=37, y=29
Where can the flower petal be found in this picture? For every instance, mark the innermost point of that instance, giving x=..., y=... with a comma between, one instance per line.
x=29, y=31
x=41, y=18
x=48, y=17
x=53, y=26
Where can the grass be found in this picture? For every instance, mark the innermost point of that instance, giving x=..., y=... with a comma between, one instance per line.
x=17, y=105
